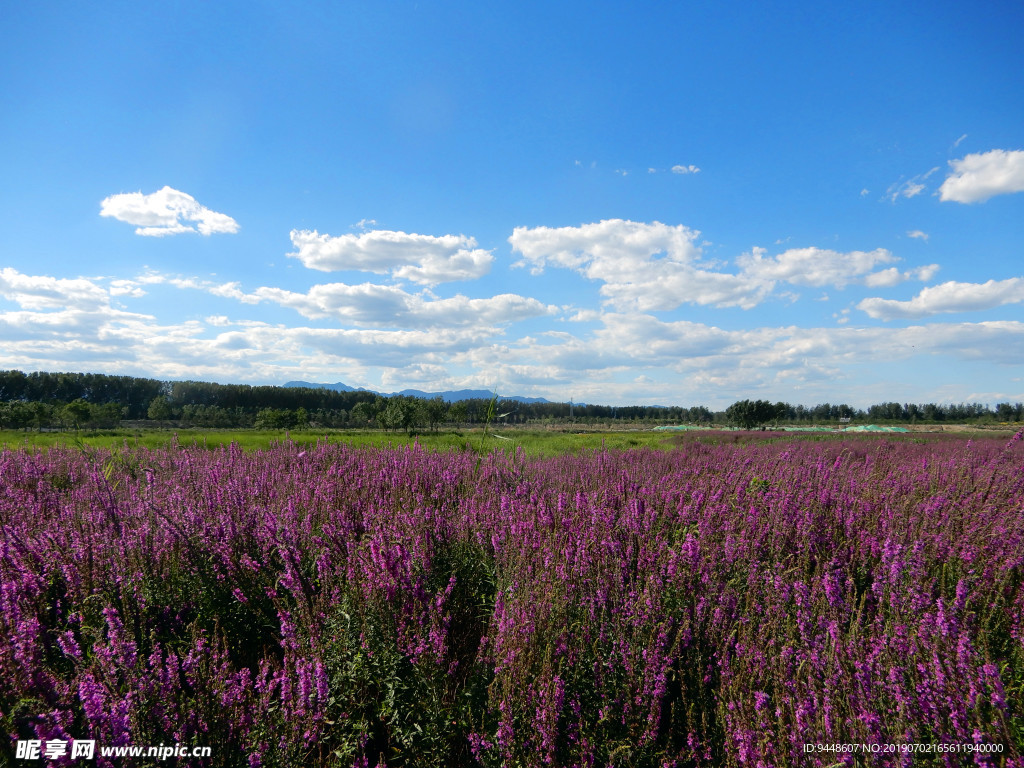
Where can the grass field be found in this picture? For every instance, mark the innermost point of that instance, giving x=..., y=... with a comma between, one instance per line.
x=535, y=442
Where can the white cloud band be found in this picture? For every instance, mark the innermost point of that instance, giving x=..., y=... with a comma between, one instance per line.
x=657, y=267
x=946, y=298
x=420, y=258
x=73, y=323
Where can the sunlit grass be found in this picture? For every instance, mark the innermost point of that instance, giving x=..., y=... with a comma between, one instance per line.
x=565, y=439
x=533, y=442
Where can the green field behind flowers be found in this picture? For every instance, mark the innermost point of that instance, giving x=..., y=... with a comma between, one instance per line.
x=532, y=441
x=553, y=441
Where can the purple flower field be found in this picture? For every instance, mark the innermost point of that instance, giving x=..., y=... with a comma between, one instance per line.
x=714, y=605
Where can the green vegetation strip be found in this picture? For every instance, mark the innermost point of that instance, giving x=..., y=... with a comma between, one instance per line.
x=533, y=442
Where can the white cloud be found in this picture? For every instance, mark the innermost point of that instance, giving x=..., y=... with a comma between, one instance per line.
x=815, y=267
x=644, y=266
x=918, y=234
x=685, y=169
x=41, y=292
x=959, y=141
x=583, y=315
x=165, y=212
x=369, y=304
x=610, y=245
x=657, y=267
x=885, y=278
x=659, y=289
x=140, y=345
x=733, y=363
x=976, y=178
x=909, y=188
x=420, y=258
x=948, y=297
x=126, y=288
x=66, y=324
x=388, y=306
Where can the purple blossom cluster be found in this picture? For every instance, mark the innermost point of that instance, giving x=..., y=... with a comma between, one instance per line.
x=712, y=605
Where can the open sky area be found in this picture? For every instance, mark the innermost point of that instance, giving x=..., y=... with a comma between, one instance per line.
x=676, y=204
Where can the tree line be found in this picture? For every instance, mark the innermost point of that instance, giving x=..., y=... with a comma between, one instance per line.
x=43, y=400
x=751, y=414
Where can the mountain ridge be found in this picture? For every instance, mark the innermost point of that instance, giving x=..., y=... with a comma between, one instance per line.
x=451, y=396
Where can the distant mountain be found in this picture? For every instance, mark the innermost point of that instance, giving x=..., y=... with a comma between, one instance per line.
x=451, y=396
x=337, y=387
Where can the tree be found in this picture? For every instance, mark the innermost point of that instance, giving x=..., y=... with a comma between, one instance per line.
x=784, y=411
x=402, y=412
x=434, y=411
x=362, y=412
x=390, y=417
x=106, y=416
x=42, y=414
x=77, y=412
x=15, y=415
x=1004, y=412
x=277, y=418
x=457, y=413
x=159, y=408
x=750, y=414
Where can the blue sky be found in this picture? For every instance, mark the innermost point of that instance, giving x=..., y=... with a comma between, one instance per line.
x=673, y=203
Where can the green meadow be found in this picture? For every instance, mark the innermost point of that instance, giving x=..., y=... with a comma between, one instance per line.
x=534, y=442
